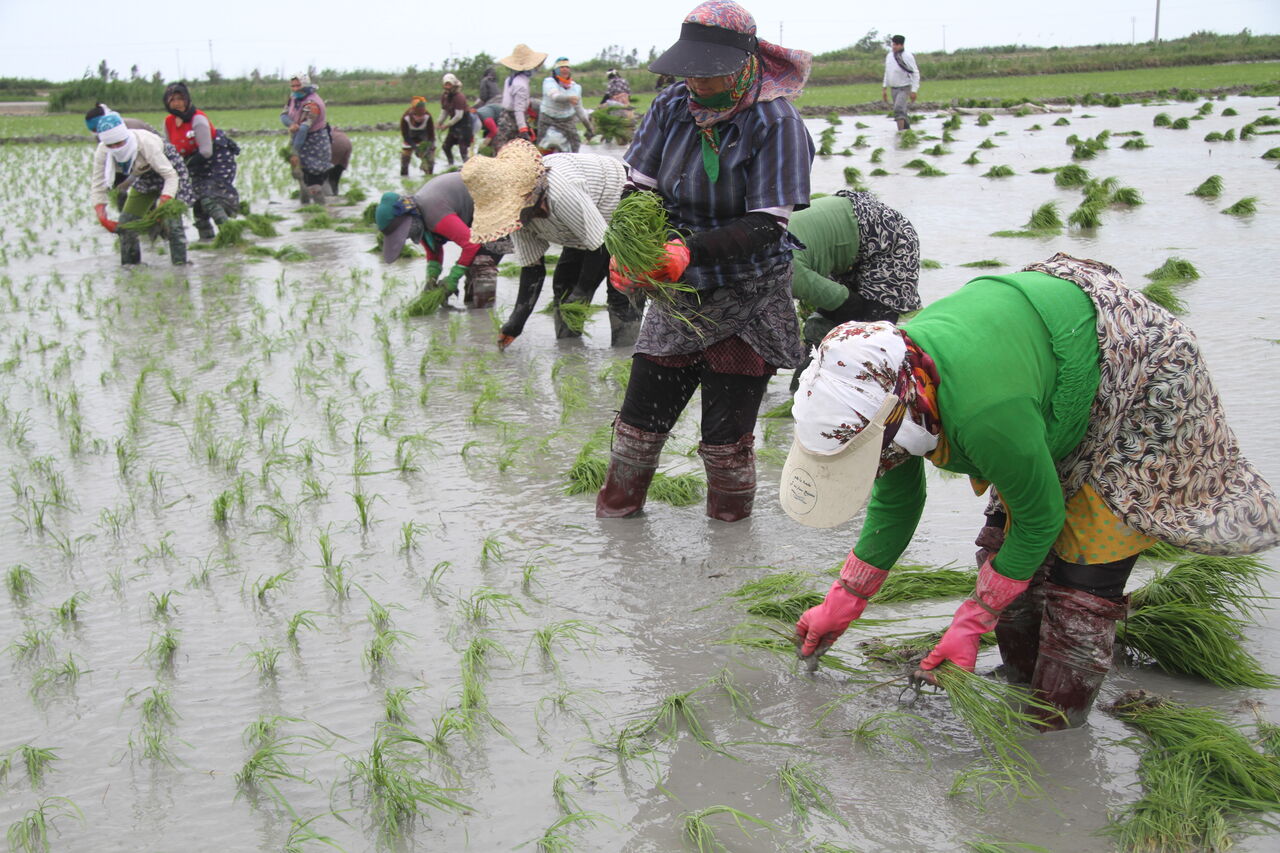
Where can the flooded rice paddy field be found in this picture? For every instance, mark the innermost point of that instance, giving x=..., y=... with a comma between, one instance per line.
x=263, y=514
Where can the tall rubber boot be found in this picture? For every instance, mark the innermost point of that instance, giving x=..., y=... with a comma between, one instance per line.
x=204, y=227
x=130, y=244
x=482, y=281
x=217, y=212
x=1077, y=640
x=631, y=465
x=624, y=317
x=406, y=157
x=1018, y=631
x=315, y=194
x=731, y=478
x=177, y=242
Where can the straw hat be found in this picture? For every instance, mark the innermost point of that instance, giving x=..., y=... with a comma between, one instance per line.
x=523, y=58
x=500, y=187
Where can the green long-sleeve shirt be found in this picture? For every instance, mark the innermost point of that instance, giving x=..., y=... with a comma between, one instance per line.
x=1017, y=360
x=829, y=230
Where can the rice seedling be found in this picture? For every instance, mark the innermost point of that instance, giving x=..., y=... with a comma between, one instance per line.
x=915, y=164
x=1127, y=196
x=1137, y=143
x=935, y=151
x=877, y=155
x=1071, y=176
x=30, y=833
x=395, y=702
x=264, y=585
x=297, y=622
x=908, y=139
x=919, y=583
x=989, y=846
x=677, y=489
x=1202, y=778
x=1162, y=120
x=381, y=648
x=806, y=792
x=1086, y=216
x=972, y=159
x=363, y=504
x=853, y=176
x=700, y=832
x=554, y=839
x=21, y=583
x=567, y=632
x=35, y=760
x=1163, y=292
x=265, y=660
x=885, y=732
x=998, y=172
x=69, y=611
x=1246, y=206
x=484, y=602
x=1175, y=269
x=267, y=765
x=995, y=714
x=1229, y=111
x=987, y=143
x=397, y=795
x=930, y=172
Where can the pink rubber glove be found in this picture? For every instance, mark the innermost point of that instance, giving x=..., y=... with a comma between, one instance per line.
x=621, y=281
x=975, y=616
x=103, y=220
x=821, y=626
x=672, y=266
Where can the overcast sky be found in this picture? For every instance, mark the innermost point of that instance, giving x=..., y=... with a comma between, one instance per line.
x=61, y=39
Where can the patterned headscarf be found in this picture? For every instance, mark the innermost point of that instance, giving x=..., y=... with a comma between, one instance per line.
x=773, y=72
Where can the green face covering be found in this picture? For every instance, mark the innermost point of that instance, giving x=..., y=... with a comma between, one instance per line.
x=720, y=101
x=726, y=104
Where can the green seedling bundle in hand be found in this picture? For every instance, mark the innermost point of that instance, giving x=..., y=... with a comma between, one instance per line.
x=636, y=239
x=163, y=212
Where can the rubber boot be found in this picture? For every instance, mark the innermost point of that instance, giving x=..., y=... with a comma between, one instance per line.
x=561, y=327
x=406, y=157
x=177, y=242
x=632, y=462
x=1018, y=631
x=205, y=228
x=482, y=281
x=315, y=194
x=217, y=212
x=1077, y=640
x=731, y=478
x=624, y=317
x=130, y=244
x=902, y=123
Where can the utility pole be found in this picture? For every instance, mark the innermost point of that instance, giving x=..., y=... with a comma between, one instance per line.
x=944, y=38
x=1133, y=30
x=1157, y=37
x=210, y=54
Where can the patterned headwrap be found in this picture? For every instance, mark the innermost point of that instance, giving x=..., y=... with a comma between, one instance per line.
x=773, y=72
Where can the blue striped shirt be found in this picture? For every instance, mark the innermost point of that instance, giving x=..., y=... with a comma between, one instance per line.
x=765, y=158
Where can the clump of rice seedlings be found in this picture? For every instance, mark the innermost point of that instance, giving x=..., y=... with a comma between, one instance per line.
x=484, y=602
x=231, y=233
x=262, y=224
x=1175, y=269
x=575, y=315
x=264, y=585
x=1182, y=123
x=267, y=765
x=826, y=145
x=908, y=139
x=918, y=583
x=1084, y=152
x=860, y=141
x=636, y=238
x=1211, y=187
x=662, y=724
x=1045, y=218
x=833, y=119
x=30, y=833
x=1071, y=176
x=1272, y=154
x=1087, y=215
x=917, y=163
x=877, y=155
x=1247, y=131
x=1163, y=292
x=995, y=714
x=397, y=794
x=554, y=839
x=930, y=172
x=265, y=659
x=985, y=119
x=567, y=632
x=806, y=792
x=69, y=610
x=1127, y=196
x=972, y=159
x=884, y=732
x=1214, y=136
x=700, y=833
x=35, y=760
x=427, y=302
x=1229, y=111
x=877, y=173
x=1202, y=779
x=395, y=701
x=297, y=622
x=985, y=264
x=1205, y=108
x=677, y=489
x=1162, y=120
x=381, y=648
x=162, y=648
x=998, y=172
x=935, y=151
x=930, y=264
x=906, y=650
x=953, y=122
x=1229, y=136
x=1246, y=206
x=1136, y=144
x=1061, y=122
x=853, y=176
x=987, y=143
x=21, y=583
x=174, y=208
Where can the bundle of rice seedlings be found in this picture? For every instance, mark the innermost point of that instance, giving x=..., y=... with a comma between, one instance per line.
x=1062, y=122
x=262, y=224
x=972, y=159
x=1246, y=206
x=1099, y=191
x=1272, y=154
x=877, y=173
x=636, y=238
x=367, y=215
x=833, y=119
x=1127, y=196
x=987, y=143
x=760, y=637
x=1045, y=218
x=936, y=151
x=782, y=410
x=1214, y=136
x=1086, y=216
x=1205, y=108
x=985, y=119
x=826, y=142
x=231, y=233
x=172, y=209
x=1135, y=144
x=948, y=136
x=860, y=141
x=1247, y=131
x=788, y=609
x=1229, y=136
x=586, y=475
x=952, y=123
x=1180, y=123
x=806, y=792
x=289, y=253
x=930, y=172
x=1163, y=292
x=1210, y=188
x=701, y=833
x=1084, y=152
x=905, y=651
x=908, y=139
x=930, y=264
x=853, y=176
x=575, y=315
x=1202, y=779
x=1071, y=176
x=996, y=714
x=1175, y=269
x=1229, y=111
x=1046, y=170
x=917, y=163
x=609, y=124
x=1162, y=120
x=677, y=490
x=1035, y=127
x=877, y=155
x=998, y=172
x=427, y=302
x=985, y=264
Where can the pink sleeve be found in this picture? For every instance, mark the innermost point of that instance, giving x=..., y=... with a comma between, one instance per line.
x=453, y=229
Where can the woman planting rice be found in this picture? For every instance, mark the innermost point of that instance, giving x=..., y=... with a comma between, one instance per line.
x=440, y=212
x=159, y=187
x=210, y=156
x=565, y=199
x=1093, y=416
x=729, y=157
x=304, y=116
x=417, y=136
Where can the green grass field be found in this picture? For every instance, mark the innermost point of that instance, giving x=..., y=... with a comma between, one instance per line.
x=1030, y=87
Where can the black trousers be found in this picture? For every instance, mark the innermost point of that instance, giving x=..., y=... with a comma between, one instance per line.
x=656, y=396
x=577, y=276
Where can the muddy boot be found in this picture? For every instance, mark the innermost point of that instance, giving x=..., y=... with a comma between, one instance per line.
x=406, y=157
x=1018, y=631
x=624, y=317
x=1077, y=640
x=482, y=281
x=217, y=212
x=731, y=478
x=315, y=194
x=130, y=244
x=632, y=462
x=177, y=234
x=204, y=228
x=902, y=123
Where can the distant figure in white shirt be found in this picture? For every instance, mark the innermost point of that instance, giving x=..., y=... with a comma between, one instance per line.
x=902, y=77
